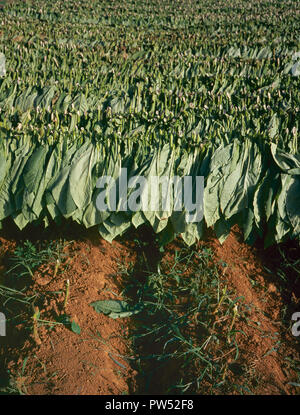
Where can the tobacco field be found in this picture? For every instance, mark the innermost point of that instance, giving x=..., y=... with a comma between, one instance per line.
x=161, y=88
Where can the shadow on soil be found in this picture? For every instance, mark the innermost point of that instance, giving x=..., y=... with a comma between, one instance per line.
x=156, y=373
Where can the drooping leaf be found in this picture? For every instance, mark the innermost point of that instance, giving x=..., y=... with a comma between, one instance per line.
x=116, y=308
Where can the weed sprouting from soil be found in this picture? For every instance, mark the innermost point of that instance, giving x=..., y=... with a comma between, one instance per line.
x=186, y=331
x=21, y=304
x=186, y=327
x=29, y=256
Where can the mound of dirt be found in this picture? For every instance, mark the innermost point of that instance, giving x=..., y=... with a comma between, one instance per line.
x=267, y=345
x=60, y=361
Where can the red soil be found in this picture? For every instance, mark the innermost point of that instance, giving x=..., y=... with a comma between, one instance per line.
x=98, y=361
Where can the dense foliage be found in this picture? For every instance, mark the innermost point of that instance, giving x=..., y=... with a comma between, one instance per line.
x=162, y=87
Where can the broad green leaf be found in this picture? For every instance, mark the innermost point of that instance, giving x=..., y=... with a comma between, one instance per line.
x=116, y=308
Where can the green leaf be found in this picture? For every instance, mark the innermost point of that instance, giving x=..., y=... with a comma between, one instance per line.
x=138, y=219
x=264, y=197
x=45, y=98
x=273, y=126
x=116, y=308
x=293, y=205
x=222, y=230
x=295, y=69
x=75, y=327
x=80, y=178
x=80, y=103
x=67, y=321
